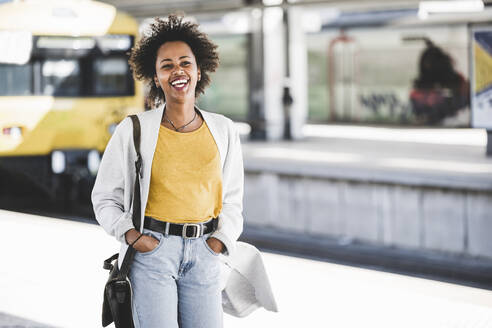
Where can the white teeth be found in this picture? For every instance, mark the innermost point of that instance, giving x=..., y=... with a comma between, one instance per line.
x=179, y=82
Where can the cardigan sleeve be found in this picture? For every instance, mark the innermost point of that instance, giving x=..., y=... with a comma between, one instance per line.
x=108, y=192
x=230, y=224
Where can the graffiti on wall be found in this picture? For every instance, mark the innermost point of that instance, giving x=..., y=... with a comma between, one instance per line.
x=384, y=105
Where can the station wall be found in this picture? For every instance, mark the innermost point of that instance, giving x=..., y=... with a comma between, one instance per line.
x=429, y=219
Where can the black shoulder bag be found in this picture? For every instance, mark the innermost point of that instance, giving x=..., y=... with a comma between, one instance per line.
x=117, y=304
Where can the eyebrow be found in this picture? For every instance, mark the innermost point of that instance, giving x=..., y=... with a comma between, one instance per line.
x=167, y=59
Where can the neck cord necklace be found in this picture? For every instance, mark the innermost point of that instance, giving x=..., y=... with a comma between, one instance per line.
x=175, y=128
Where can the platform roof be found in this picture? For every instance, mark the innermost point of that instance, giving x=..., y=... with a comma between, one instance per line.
x=152, y=8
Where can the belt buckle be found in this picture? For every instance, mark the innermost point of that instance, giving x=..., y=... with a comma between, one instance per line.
x=185, y=230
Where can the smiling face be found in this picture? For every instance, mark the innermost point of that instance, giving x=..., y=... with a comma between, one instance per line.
x=177, y=72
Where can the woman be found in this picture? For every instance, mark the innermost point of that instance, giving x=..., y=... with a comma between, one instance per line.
x=191, y=183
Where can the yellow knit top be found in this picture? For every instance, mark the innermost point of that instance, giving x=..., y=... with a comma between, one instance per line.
x=186, y=178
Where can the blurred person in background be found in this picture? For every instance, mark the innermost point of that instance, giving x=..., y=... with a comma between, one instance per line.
x=439, y=91
x=192, y=183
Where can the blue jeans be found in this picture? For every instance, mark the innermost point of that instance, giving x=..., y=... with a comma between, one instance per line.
x=177, y=284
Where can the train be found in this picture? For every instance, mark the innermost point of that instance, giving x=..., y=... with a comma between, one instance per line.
x=65, y=84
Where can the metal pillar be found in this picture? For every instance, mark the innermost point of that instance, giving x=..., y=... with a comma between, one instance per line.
x=297, y=73
x=274, y=70
x=256, y=113
x=489, y=143
x=287, y=99
x=277, y=74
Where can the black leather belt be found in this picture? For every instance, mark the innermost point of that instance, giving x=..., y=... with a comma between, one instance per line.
x=185, y=230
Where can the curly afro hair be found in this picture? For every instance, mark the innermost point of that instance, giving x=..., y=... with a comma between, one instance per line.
x=144, y=54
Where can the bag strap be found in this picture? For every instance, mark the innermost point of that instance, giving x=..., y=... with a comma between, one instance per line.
x=108, y=265
x=136, y=215
x=138, y=173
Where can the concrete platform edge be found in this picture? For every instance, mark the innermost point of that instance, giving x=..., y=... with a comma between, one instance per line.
x=463, y=270
x=414, y=179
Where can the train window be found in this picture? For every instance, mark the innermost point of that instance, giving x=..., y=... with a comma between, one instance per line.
x=112, y=76
x=16, y=80
x=61, y=77
x=318, y=92
x=389, y=75
x=228, y=92
x=114, y=43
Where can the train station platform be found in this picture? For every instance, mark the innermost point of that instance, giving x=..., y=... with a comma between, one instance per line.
x=44, y=256
x=453, y=158
x=416, y=199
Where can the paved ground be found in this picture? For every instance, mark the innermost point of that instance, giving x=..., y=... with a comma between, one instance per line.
x=41, y=257
x=11, y=321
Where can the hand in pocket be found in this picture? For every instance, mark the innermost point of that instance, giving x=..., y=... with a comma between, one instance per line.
x=146, y=244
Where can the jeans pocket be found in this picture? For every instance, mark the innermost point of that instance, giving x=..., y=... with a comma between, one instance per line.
x=157, y=236
x=208, y=248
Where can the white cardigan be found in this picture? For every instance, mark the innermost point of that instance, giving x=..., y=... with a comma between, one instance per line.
x=112, y=200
